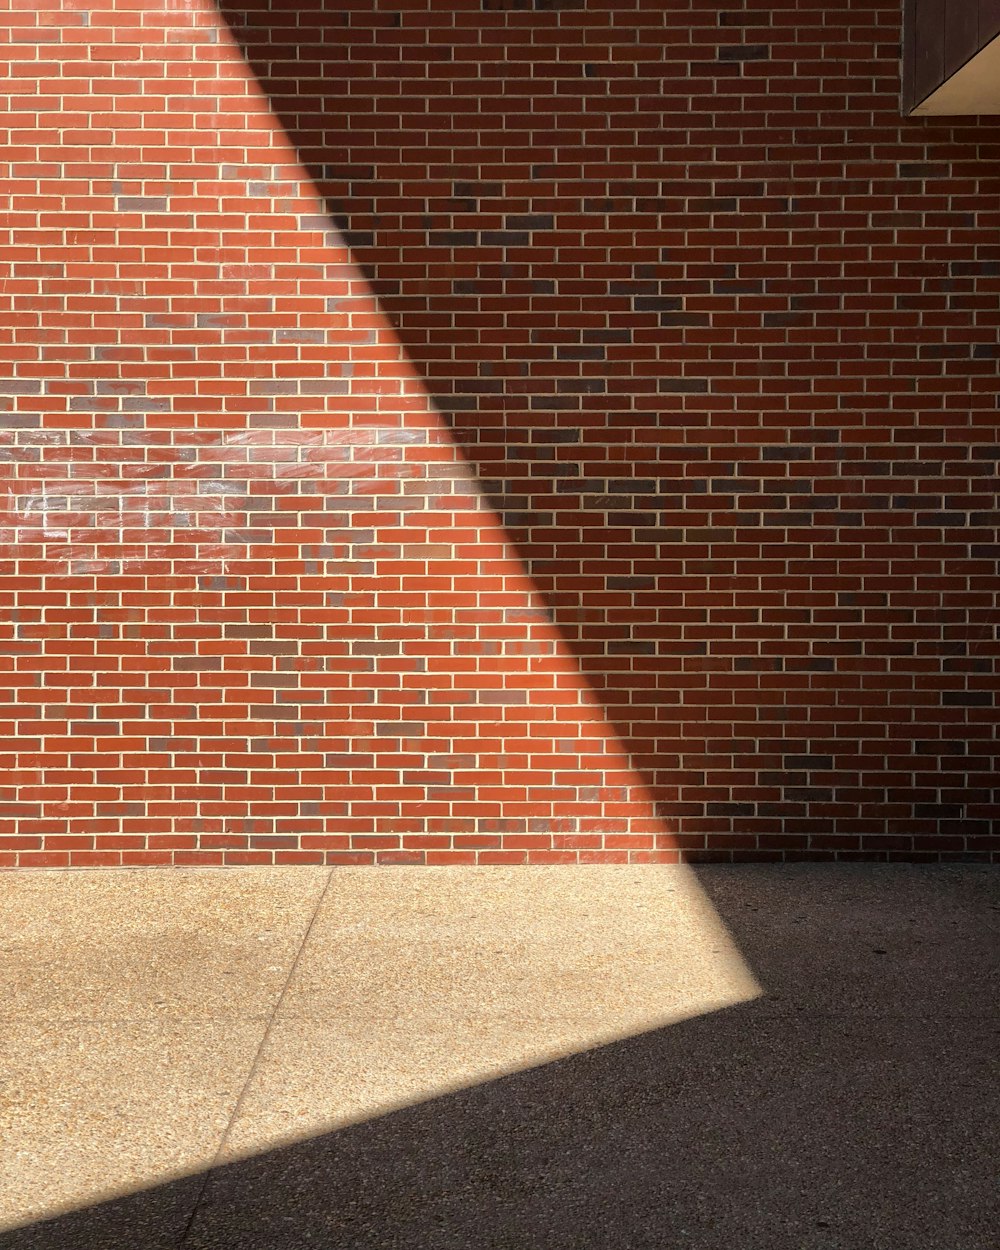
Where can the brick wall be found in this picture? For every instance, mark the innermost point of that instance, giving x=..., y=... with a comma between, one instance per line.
x=492, y=432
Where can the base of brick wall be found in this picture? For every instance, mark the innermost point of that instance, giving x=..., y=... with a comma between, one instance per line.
x=222, y=859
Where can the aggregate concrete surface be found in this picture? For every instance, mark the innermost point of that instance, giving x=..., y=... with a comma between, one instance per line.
x=752, y=1057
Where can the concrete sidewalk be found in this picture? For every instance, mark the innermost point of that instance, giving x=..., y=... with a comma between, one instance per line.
x=487, y=1057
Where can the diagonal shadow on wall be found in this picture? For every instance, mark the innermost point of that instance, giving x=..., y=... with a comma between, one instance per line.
x=855, y=1105
x=529, y=195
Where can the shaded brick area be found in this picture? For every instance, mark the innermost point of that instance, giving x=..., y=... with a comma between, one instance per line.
x=594, y=456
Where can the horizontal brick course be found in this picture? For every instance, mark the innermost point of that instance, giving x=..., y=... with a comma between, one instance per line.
x=498, y=433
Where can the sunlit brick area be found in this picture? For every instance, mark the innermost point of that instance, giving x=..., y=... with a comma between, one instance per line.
x=492, y=433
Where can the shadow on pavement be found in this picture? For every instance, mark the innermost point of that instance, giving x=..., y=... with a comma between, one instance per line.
x=855, y=1105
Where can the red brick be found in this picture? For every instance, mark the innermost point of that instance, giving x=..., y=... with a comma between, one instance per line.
x=732, y=398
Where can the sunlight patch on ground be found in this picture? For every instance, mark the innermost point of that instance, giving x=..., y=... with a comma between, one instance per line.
x=188, y=1026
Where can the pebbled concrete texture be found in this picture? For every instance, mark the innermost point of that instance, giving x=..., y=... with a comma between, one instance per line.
x=782, y=1056
x=136, y=945
x=88, y=1110
x=414, y=984
x=132, y=1007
